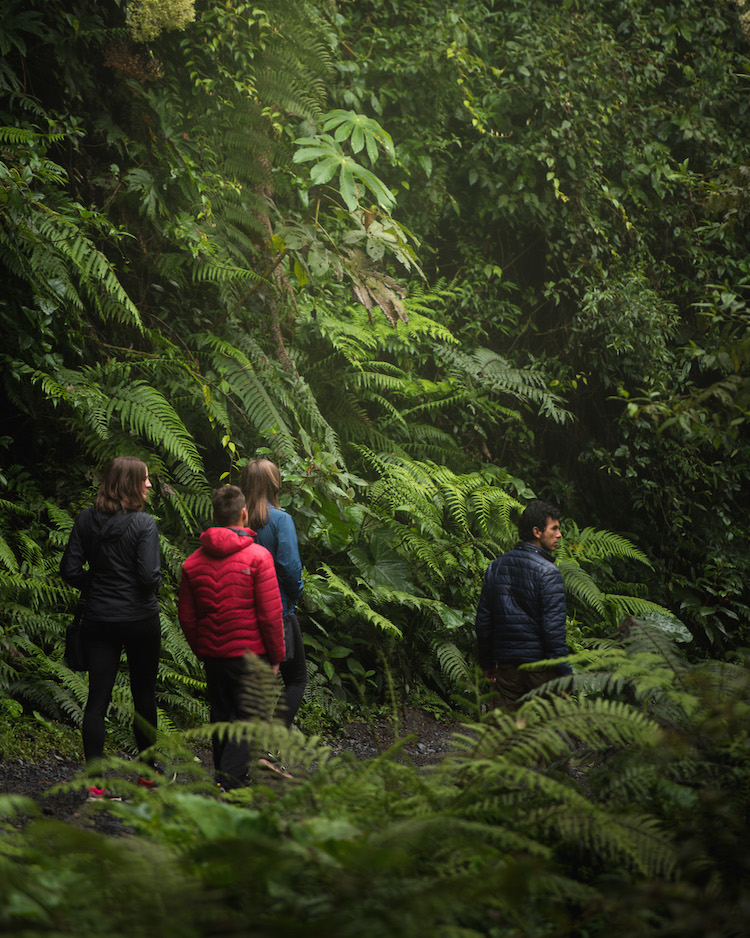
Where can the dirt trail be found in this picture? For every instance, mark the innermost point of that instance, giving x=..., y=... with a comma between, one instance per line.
x=428, y=742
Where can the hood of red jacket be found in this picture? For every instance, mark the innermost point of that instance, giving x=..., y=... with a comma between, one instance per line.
x=221, y=542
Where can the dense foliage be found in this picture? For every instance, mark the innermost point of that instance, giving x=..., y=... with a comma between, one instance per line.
x=433, y=258
x=581, y=815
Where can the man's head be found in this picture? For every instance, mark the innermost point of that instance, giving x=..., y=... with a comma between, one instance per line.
x=229, y=507
x=540, y=524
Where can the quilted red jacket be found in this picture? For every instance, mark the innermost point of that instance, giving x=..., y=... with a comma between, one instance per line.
x=229, y=600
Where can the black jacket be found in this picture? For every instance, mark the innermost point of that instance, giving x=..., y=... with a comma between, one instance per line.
x=122, y=552
x=521, y=613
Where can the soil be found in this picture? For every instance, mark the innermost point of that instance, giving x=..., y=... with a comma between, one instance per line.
x=424, y=741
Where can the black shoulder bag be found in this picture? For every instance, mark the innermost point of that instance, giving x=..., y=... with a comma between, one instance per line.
x=75, y=647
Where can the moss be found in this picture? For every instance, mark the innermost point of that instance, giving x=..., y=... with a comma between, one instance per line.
x=34, y=739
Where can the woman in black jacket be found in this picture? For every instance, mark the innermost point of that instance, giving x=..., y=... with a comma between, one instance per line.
x=120, y=545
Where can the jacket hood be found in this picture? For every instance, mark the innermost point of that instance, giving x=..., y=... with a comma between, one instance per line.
x=221, y=542
x=111, y=527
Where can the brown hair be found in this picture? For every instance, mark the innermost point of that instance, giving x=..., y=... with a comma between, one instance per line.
x=260, y=481
x=228, y=502
x=121, y=487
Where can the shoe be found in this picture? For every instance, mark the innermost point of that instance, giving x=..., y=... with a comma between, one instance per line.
x=99, y=794
x=270, y=763
x=154, y=782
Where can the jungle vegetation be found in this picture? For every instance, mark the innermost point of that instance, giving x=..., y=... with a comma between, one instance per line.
x=434, y=259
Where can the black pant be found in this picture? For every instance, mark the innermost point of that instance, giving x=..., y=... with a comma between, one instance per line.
x=237, y=691
x=511, y=684
x=104, y=644
x=294, y=674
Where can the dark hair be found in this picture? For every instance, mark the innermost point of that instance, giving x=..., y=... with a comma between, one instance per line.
x=121, y=487
x=260, y=481
x=536, y=515
x=228, y=502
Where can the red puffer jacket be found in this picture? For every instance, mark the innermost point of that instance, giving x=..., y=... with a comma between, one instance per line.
x=229, y=600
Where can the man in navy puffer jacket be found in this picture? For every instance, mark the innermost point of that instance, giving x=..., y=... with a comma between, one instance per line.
x=521, y=613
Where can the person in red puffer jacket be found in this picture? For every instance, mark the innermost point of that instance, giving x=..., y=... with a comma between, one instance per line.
x=230, y=611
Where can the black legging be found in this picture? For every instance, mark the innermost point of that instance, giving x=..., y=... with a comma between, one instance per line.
x=294, y=675
x=104, y=644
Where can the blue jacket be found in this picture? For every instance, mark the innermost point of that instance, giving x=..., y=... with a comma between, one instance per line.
x=521, y=613
x=279, y=536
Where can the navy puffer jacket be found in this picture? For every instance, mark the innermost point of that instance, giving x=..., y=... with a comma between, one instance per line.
x=521, y=613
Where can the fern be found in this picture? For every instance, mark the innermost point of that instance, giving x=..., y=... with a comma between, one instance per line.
x=594, y=544
x=453, y=662
x=358, y=606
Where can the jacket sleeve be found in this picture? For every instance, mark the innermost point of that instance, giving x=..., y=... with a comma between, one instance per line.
x=148, y=557
x=268, y=607
x=186, y=611
x=553, y=614
x=71, y=565
x=287, y=559
x=483, y=627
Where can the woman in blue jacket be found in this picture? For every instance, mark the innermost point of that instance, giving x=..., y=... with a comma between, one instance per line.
x=274, y=528
x=113, y=558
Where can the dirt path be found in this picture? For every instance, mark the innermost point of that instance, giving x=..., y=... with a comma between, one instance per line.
x=427, y=742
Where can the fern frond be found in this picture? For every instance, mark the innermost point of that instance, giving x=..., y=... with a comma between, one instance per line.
x=453, y=662
x=595, y=544
x=580, y=584
x=145, y=411
x=356, y=605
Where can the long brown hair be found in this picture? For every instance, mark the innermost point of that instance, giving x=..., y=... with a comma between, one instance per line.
x=122, y=485
x=260, y=483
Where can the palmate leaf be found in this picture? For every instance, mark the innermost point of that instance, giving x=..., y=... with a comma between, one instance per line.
x=325, y=170
x=348, y=188
x=331, y=159
x=363, y=131
x=386, y=568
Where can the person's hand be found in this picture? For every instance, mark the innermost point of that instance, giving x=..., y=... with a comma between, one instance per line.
x=275, y=669
x=491, y=674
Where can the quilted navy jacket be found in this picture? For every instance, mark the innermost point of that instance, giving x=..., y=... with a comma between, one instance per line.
x=521, y=613
x=229, y=601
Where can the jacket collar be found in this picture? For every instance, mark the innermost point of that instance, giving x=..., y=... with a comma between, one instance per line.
x=535, y=548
